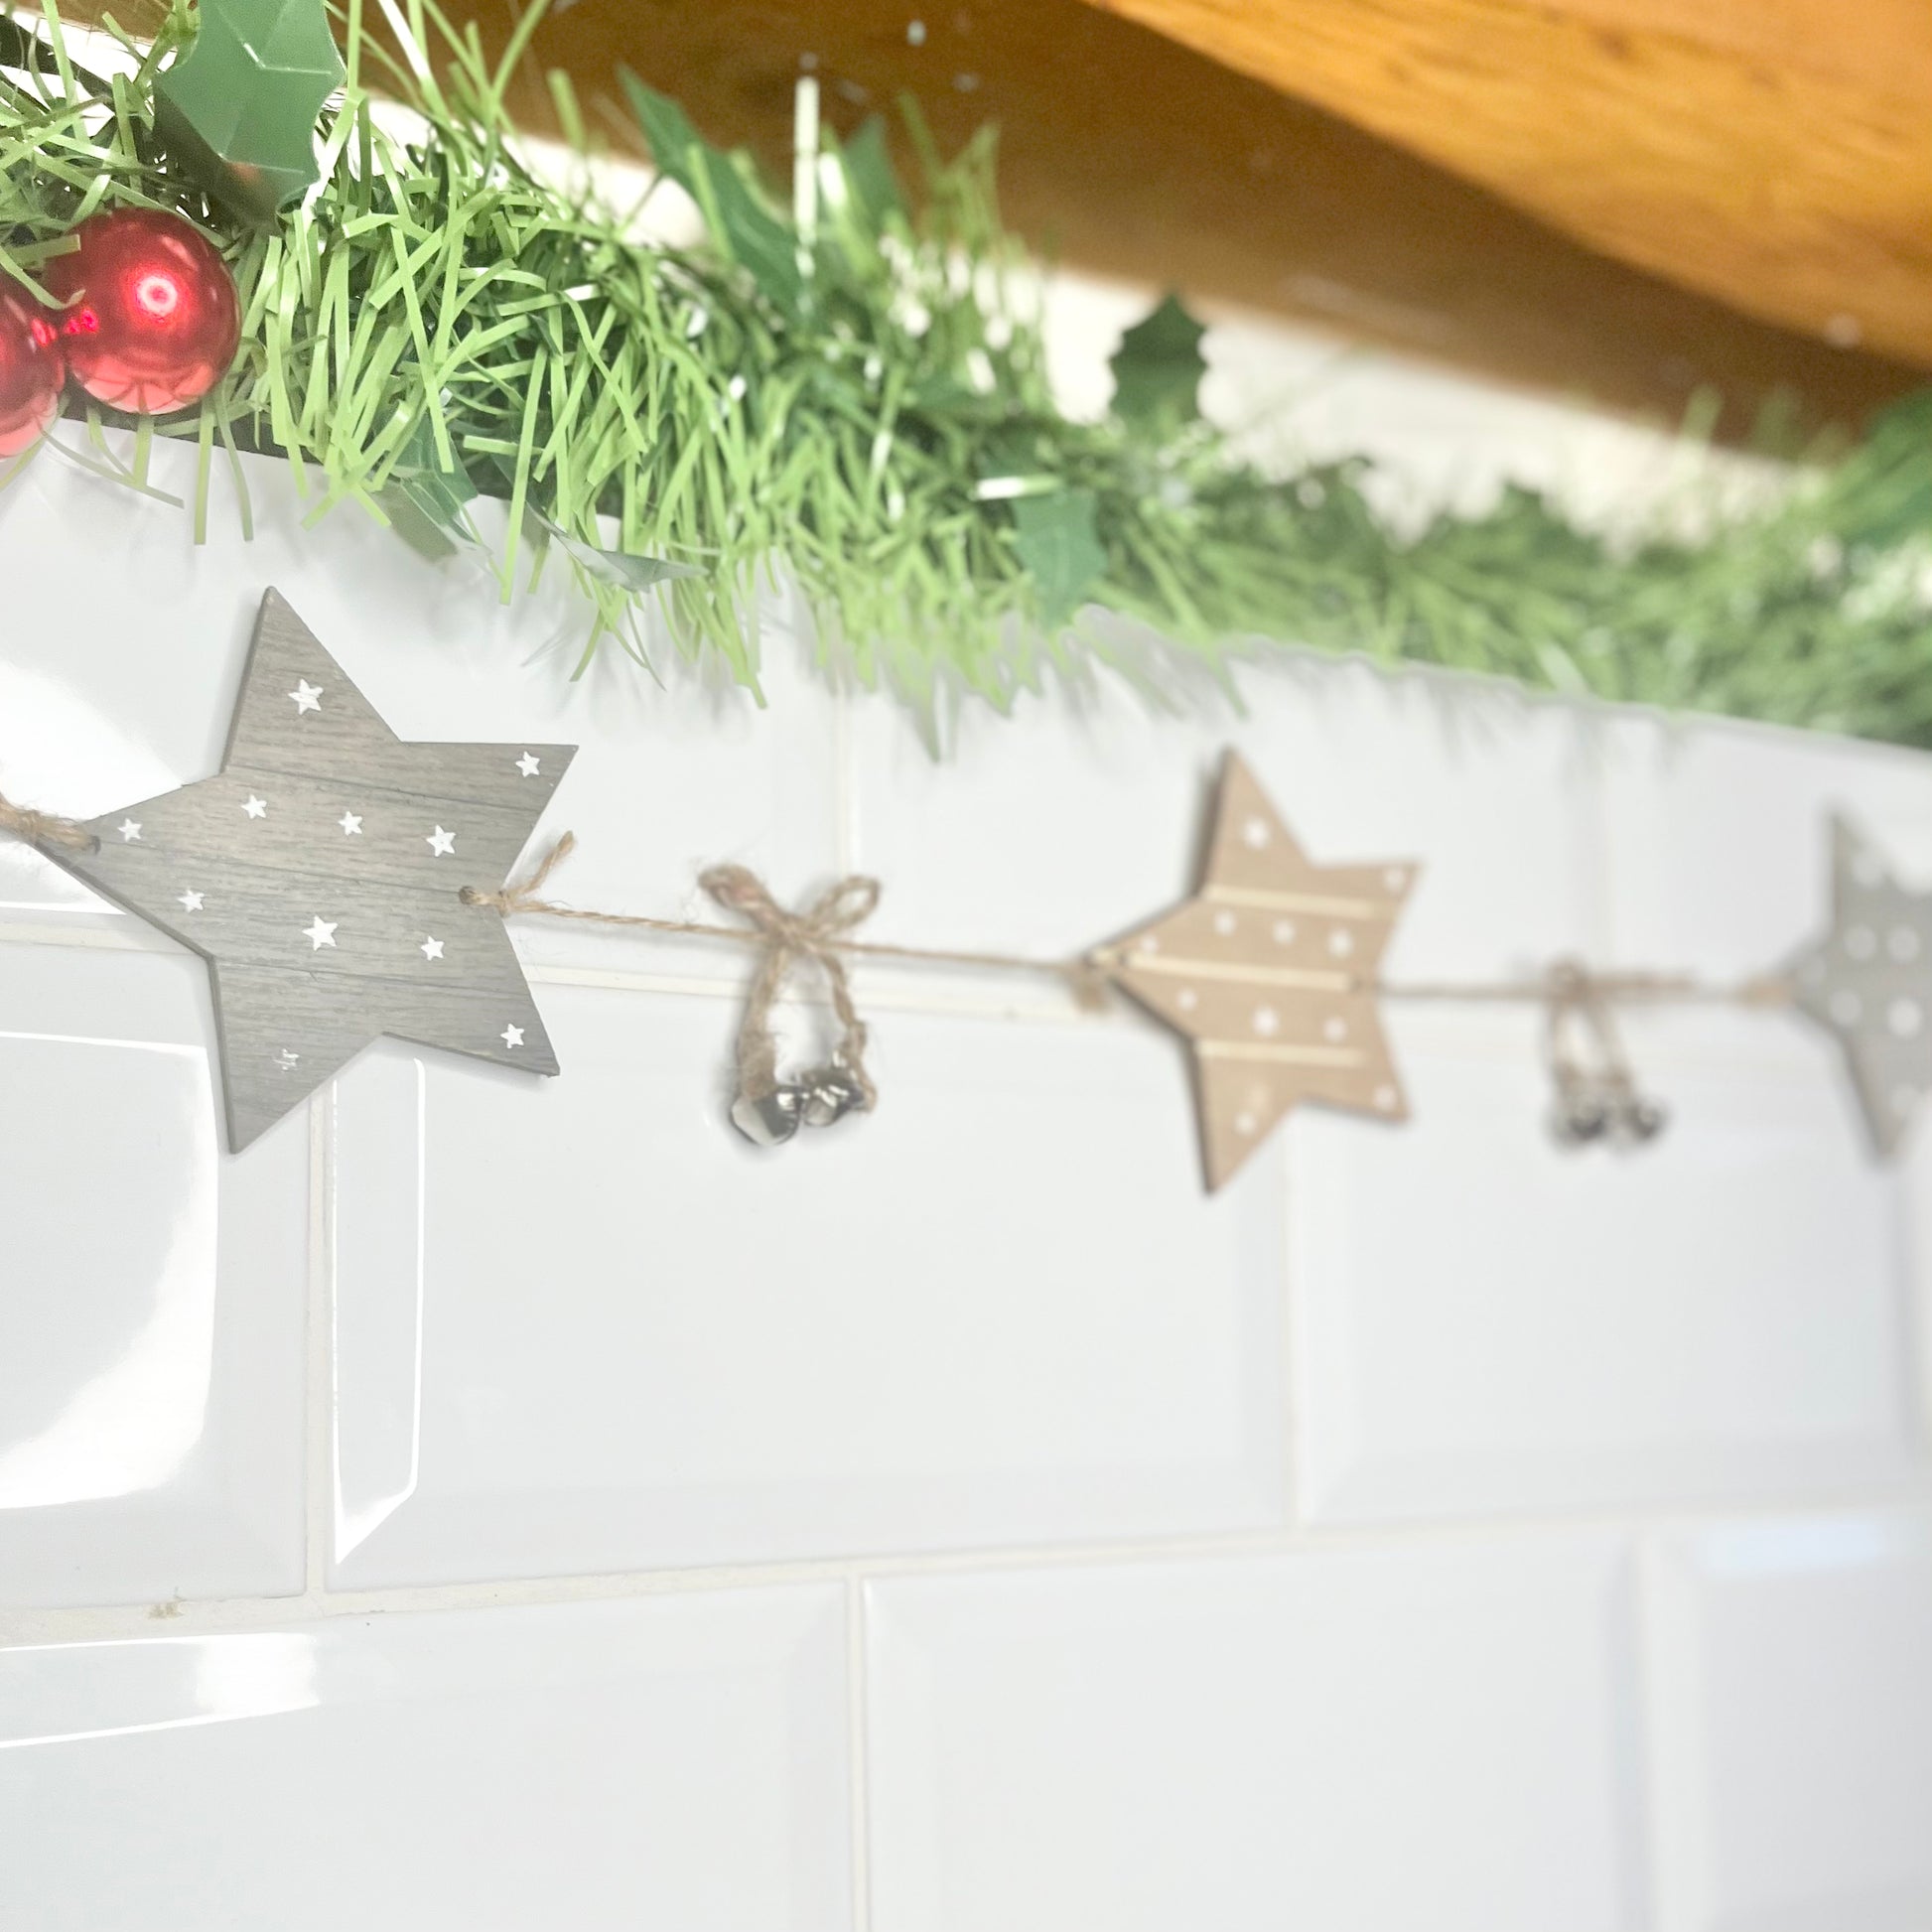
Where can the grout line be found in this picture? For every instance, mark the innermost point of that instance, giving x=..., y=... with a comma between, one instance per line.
x=1651, y=1712
x=1914, y=1313
x=318, y=1446
x=1461, y=1030
x=896, y=998
x=187, y=1616
x=130, y=936
x=1600, y=855
x=1469, y=1032
x=1289, y=1351
x=846, y=836
x=859, y=1750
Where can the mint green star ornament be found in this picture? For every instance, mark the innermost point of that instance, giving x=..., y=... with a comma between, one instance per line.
x=240, y=106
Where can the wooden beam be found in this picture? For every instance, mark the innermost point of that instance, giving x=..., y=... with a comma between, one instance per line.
x=1125, y=153
x=1776, y=156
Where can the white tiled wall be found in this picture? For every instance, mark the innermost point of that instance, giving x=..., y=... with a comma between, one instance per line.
x=494, y=1505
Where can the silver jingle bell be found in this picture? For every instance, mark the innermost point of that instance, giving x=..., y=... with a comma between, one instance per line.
x=831, y=1092
x=1580, y=1118
x=1641, y=1120
x=771, y=1120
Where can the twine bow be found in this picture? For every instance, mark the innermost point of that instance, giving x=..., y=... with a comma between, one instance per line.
x=791, y=938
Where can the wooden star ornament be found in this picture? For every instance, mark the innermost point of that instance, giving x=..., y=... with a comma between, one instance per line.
x=1269, y=973
x=1868, y=982
x=319, y=875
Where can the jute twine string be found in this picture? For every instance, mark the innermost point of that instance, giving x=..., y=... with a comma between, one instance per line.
x=45, y=828
x=825, y=931
x=1082, y=977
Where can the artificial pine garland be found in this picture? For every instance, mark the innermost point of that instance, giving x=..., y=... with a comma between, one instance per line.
x=864, y=402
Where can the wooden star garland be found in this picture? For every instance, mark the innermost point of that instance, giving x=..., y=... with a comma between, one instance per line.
x=1868, y=982
x=339, y=883
x=1269, y=972
x=319, y=873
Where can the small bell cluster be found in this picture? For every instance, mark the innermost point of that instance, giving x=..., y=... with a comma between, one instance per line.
x=1597, y=1096
x=1588, y=1110
x=819, y=1098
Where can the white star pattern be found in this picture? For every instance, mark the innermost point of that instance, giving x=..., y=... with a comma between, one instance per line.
x=512, y=1036
x=351, y=825
x=256, y=807
x=286, y=1060
x=440, y=842
x=319, y=932
x=431, y=949
x=307, y=696
x=189, y=902
x=529, y=765
x=129, y=830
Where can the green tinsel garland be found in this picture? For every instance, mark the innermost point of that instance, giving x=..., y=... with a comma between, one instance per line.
x=869, y=407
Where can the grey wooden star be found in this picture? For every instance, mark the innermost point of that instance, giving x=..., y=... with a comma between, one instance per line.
x=1869, y=980
x=313, y=872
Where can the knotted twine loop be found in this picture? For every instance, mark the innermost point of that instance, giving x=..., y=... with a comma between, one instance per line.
x=528, y=895
x=45, y=828
x=791, y=938
x=1576, y=1004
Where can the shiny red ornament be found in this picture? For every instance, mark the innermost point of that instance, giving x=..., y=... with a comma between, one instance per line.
x=33, y=372
x=153, y=321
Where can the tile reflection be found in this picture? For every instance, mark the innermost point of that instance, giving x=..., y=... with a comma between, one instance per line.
x=74, y=1692
x=131, y=1426
x=66, y=753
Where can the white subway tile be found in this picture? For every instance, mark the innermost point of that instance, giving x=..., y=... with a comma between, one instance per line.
x=151, y=1297
x=680, y=1762
x=1484, y=1320
x=1719, y=853
x=1792, y=1691
x=583, y=1326
x=1432, y=1739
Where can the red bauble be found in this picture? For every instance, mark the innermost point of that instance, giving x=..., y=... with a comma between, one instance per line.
x=153, y=323
x=32, y=371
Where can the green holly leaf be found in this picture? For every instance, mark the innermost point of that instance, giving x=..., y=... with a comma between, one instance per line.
x=240, y=107
x=1158, y=370
x=624, y=568
x=740, y=224
x=868, y=172
x=427, y=504
x=1062, y=550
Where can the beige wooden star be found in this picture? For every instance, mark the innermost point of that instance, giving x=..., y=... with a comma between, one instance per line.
x=1270, y=971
